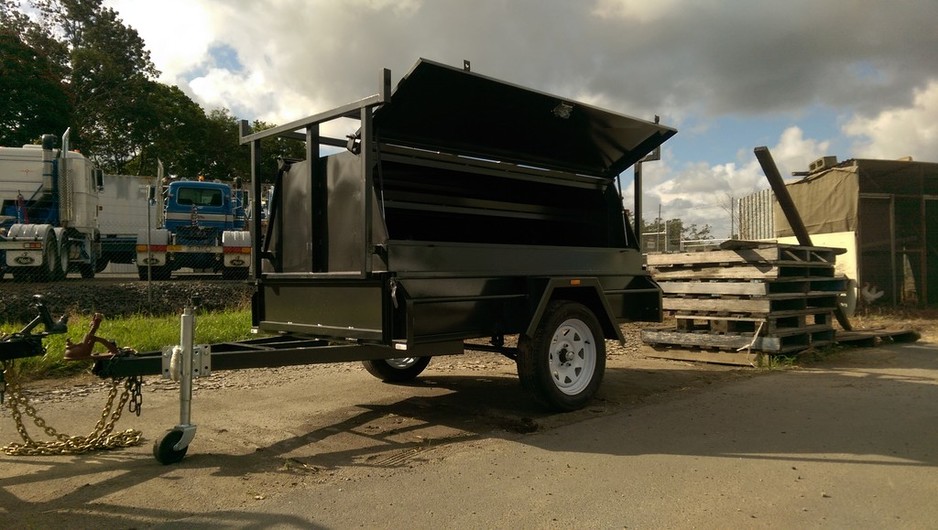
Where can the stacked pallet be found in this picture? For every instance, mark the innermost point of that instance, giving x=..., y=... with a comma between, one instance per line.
x=747, y=297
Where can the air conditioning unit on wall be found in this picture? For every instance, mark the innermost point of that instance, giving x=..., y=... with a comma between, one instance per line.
x=825, y=162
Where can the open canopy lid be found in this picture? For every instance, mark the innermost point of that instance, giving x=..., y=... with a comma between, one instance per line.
x=441, y=108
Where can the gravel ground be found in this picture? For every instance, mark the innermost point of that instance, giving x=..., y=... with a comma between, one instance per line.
x=116, y=299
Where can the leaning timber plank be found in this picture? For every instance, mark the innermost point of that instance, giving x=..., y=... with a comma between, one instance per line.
x=731, y=358
x=716, y=288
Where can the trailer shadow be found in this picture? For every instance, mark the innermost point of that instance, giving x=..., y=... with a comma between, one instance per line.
x=870, y=406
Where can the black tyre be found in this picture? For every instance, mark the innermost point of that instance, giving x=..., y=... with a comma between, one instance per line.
x=562, y=365
x=162, y=273
x=234, y=273
x=157, y=274
x=87, y=270
x=51, y=269
x=397, y=370
x=61, y=253
x=163, y=449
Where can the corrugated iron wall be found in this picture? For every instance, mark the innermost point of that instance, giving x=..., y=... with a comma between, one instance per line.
x=755, y=215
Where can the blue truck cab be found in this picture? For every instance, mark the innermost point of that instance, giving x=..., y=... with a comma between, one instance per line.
x=205, y=227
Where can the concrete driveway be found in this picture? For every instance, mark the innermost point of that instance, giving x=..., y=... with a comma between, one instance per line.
x=851, y=442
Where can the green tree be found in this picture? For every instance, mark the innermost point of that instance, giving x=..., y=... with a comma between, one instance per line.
x=34, y=99
x=78, y=65
x=171, y=128
x=696, y=233
x=274, y=149
x=110, y=75
x=670, y=235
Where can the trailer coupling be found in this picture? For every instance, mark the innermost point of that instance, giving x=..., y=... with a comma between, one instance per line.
x=27, y=343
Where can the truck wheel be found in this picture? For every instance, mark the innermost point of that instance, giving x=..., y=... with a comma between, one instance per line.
x=562, y=365
x=397, y=370
x=50, y=270
x=234, y=273
x=61, y=268
x=162, y=273
x=87, y=270
x=157, y=274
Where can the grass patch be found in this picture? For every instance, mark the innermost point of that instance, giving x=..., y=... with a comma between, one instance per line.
x=142, y=333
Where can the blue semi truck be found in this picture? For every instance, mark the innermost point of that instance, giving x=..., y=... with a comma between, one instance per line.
x=204, y=227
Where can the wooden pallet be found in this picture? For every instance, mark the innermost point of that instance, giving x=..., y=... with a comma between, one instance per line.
x=809, y=286
x=759, y=297
x=807, y=337
x=776, y=324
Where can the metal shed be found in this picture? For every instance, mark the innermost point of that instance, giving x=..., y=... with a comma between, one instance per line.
x=888, y=211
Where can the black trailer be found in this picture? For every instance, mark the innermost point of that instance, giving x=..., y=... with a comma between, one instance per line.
x=462, y=207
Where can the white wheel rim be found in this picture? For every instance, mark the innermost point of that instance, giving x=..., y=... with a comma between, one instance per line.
x=401, y=363
x=572, y=357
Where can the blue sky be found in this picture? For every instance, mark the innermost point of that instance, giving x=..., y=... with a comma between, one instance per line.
x=849, y=78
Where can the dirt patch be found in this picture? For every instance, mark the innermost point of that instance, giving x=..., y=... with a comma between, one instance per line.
x=922, y=320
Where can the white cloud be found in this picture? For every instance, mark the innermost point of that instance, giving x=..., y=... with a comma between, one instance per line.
x=700, y=193
x=674, y=57
x=635, y=10
x=177, y=33
x=902, y=131
x=687, y=60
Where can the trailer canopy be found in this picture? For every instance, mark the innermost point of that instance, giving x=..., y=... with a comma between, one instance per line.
x=438, y=107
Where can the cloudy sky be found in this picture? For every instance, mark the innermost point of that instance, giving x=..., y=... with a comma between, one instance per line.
x=807, y=78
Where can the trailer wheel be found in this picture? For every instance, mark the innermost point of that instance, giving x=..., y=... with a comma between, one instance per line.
x=562, y=365
x=163, y=449
x=397, y=370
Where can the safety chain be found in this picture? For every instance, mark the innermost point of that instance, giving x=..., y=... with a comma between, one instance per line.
x=101, y=437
